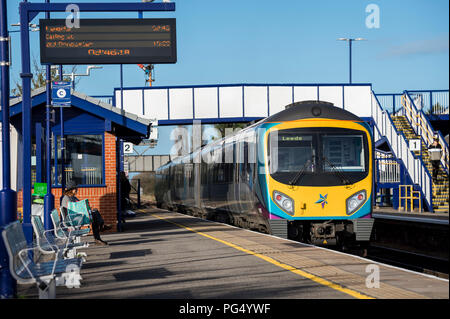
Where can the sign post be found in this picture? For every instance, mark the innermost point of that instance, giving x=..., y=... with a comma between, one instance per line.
x=61, y=95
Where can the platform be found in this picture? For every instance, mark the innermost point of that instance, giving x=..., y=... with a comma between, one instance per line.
x=423, y=217
x=168, y=255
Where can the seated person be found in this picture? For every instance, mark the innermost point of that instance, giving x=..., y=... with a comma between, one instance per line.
x=97, y=221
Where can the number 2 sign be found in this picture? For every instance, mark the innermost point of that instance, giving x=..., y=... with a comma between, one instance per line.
x=127, y=148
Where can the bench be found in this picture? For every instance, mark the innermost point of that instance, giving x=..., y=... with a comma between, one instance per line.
x=62, y=231
x=49, y=244
x=46, y=275
x=68, y=222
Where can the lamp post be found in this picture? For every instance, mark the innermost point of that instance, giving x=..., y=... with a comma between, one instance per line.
x=350, y=40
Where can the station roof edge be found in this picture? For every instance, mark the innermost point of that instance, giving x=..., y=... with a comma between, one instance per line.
x=105, y=107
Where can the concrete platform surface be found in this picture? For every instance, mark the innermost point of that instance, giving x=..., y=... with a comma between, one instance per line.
x=168, y=255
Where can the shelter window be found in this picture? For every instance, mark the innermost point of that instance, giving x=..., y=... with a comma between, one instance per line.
x=83, y=159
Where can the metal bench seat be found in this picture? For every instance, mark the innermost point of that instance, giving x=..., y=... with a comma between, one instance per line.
x=67, y=221
x=63, y=231
x=48, y=243
x=25, y=270
x=44, y=269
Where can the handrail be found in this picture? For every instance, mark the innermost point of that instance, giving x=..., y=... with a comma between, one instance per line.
x=416, y=169
x=423, y=128
x=435, y=102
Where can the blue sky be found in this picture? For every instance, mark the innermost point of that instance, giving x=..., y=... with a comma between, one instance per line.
x=289, y=41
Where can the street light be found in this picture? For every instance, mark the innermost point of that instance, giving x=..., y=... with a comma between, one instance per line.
x=350, y=40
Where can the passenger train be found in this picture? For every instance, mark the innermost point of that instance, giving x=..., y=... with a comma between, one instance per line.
x=305, y=173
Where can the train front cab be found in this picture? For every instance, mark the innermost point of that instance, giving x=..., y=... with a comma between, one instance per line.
x=319, y=177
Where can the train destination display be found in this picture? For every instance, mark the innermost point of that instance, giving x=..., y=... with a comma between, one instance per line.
x=108, y=41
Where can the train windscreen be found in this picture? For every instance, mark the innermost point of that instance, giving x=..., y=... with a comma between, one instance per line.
x=318, y=156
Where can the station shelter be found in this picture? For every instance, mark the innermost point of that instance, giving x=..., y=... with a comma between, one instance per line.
x=93, y=132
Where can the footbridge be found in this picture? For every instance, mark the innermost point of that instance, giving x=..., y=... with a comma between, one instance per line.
x=396, y=119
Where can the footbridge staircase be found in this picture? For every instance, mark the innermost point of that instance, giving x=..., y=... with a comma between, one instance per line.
x=401, y=120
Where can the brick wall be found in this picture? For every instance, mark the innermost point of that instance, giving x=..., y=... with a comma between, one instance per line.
x=102, y=198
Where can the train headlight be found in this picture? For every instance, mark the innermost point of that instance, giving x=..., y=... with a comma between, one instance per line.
x=285, y=202
x=355, y=201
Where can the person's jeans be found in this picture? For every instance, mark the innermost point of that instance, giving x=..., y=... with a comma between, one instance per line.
x=436, y=165
x=97, y=223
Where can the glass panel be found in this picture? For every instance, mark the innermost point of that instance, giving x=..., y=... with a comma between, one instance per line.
x=345, y=152
x=83, y=159
x=294, y=151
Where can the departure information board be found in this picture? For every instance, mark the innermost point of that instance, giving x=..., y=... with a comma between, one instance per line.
x=108, y=41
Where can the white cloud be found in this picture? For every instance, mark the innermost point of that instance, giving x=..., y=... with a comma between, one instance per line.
x=419, y=47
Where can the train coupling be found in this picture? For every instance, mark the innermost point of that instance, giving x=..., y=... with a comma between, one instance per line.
x=323, y=233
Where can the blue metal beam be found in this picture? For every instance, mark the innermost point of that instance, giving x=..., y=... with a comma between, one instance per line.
x=49, y=199
x=36, y=8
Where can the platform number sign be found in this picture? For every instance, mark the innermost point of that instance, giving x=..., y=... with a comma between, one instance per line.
x=127, y=148
x=415, y=145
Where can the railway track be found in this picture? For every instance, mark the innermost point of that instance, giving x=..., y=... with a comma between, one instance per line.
x=432, y=265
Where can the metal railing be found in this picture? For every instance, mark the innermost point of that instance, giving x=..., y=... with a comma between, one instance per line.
x=407, y=196
x=390, y=102
x=388, y=170
x=432, y=102
x=137, y=191
x=423, y=128
x=415, y=167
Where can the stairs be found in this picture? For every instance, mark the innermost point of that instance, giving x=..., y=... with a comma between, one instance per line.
x=441, y=186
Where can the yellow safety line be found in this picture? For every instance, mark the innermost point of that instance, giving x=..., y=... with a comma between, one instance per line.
x=302, y=273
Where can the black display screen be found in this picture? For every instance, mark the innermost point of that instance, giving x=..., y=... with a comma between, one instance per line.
x=108, y=41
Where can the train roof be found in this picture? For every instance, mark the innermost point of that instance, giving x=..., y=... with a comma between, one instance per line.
x=312, y=109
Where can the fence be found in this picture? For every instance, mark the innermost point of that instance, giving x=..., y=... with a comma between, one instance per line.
x=390, y=102
x=433, y=102
x=388, y=170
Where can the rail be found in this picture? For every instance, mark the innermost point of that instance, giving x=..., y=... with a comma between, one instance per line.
x=407, y=195
x=388, y=170
x=415, y=167
x=390, y=102
x=423, y=128
x=137, y=190
x=432, y=102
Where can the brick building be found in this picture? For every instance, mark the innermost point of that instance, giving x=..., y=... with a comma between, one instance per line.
x=93, y=132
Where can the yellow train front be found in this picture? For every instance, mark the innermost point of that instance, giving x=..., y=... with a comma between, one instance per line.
x=305, y=173
x=319, y=174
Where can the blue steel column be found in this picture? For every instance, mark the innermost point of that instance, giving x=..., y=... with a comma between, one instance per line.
x=26, y=76
x=8, y=197
x=63, y=152
x=119, y=188
x=49, y=199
